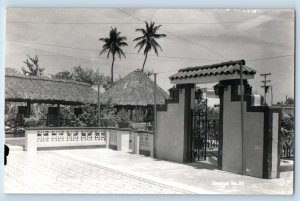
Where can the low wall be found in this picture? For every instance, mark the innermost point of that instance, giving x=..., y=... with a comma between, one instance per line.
x=142, y=142
x=118, y=139
x=113, y=138
x=38, y=138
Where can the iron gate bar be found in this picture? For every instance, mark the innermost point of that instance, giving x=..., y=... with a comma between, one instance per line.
x=199, y=131
x=204, y=132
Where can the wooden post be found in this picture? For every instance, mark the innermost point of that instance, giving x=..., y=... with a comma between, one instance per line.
x=107, y=138
x=242, y=118
x=59, y=121
x=155, y=119
x=28, y=109
x=99, y=107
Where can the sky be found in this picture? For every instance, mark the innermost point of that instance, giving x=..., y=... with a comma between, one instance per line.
x=64, y=38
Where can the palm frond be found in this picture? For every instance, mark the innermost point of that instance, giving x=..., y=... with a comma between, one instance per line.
x=155, y=44
x=143, y=31
x=159, y=35
x=139, y=38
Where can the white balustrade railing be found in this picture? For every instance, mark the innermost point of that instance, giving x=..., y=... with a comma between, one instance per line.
x=114, y=138
x=45, y=137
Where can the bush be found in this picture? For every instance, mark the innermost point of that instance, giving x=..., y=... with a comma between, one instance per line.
x=123, y=118
x=138, y=115
x=287, y=134
x=31, y=122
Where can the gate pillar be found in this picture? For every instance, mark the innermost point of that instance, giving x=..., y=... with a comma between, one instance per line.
x=189, y=103
x=174, y=126
x=258, y=154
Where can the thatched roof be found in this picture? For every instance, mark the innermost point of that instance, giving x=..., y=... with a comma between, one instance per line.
x=135, y=89
x=20, y=87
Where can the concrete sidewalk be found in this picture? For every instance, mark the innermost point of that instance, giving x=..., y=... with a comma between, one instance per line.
x=194, y=177
x=108, y=171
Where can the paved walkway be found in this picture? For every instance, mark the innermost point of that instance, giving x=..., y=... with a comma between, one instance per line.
x=104, y=171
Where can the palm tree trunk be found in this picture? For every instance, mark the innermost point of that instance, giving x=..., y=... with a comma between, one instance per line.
x=144, y=61
x=112, y=70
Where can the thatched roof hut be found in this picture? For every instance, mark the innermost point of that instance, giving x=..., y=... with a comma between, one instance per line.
x=22, y=88
x=135, y=89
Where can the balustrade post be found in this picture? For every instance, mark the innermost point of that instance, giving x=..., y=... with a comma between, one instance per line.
x=122, y=140
x=133, y=142
x=31, y=140
x=151, y=138
x=107, y=138
x=137, y=151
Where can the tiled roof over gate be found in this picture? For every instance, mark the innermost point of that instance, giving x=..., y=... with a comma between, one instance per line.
x=225, y=68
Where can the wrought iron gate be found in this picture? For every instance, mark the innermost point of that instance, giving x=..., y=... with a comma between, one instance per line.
x=205, y=128
x=199, y=131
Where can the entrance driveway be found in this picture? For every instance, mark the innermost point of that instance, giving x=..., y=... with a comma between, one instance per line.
x=112, y=172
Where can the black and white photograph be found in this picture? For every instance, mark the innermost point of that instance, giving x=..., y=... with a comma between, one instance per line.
x=149, y=101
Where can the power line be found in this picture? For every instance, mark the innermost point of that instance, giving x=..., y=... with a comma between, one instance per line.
x=177, y=35
x=120, y=9
x=94, y=50
x=185, y=39
x=170, y=57
x=275, y=57
x=134, y=23
x=130, y=53
x=61, y=54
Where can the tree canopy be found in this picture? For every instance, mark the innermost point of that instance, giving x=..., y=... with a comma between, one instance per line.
x=32, y=66
x=113, y=45
x=148, y=39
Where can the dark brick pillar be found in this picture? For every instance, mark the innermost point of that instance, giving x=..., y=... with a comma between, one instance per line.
x=187, y=150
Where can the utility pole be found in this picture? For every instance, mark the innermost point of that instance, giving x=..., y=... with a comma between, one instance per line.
x=155, y=118
x=265, y=86
x=242, y=118
x=271, y=95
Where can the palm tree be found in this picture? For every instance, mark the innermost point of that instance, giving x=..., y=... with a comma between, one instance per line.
x=112, y=45
x=148, y=39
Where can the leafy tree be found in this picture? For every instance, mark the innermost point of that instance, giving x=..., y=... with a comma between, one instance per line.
x=113, y=45
x=83, y=74
x=32, y=66
x=86, y=75
x=147, y=40
x=65, y=75
x=290, y=101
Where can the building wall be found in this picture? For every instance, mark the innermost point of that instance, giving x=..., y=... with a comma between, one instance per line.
x=170, y=131
x=232, y=139
x=275, y=142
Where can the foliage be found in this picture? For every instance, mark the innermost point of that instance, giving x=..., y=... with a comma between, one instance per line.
x=86, y=75
x=65, y=75
x=123, y=115
x=147, y=40
x=138, y=115
x=10, y=113
x=32, y=66
x=113, y=45
x=108, y=115
x=212, y=113
x=31, y=122
x=290, y=101
x=287, y=133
